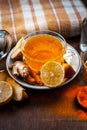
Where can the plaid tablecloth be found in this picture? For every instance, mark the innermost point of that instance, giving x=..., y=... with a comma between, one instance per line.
x=21, y=17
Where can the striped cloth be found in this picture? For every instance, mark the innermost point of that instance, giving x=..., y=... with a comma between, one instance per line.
x=21, y=17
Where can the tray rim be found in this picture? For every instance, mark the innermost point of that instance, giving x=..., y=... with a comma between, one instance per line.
x=27, y=85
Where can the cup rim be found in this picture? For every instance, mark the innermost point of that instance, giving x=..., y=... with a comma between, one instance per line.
x=43, y=32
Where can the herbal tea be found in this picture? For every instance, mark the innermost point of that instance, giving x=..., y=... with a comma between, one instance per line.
x=42, y=48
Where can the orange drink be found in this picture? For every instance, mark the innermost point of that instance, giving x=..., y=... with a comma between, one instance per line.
x=41, y=47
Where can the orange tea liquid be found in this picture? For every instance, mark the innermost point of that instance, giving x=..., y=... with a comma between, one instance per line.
x=42, y=48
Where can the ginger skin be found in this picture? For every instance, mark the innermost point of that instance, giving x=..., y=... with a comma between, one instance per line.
x=19, y=68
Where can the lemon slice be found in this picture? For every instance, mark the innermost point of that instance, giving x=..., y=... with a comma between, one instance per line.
x=52, y=74
x=6, y=92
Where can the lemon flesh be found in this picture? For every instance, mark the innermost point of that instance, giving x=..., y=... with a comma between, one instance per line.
x=52, y=74
x=6, y=92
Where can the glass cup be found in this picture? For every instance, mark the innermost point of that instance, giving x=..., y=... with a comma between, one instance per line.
x=41, y=47
x=84, y=62
x=84, y=59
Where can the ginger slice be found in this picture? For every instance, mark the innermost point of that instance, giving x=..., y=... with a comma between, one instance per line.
x=17, y=54
x=19, y=93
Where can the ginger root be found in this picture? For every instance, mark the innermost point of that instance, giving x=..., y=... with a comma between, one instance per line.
x=19, y=93
x=19, y=68
x=36, y=76
x=3, y=75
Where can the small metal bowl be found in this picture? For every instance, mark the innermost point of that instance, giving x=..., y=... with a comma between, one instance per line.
x=5, y=45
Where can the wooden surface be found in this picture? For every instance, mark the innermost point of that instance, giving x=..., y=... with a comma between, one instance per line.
x=47, y=109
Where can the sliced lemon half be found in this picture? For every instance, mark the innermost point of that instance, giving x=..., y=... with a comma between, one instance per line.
x=82, y=97
x=52, y=74
x=6, y=92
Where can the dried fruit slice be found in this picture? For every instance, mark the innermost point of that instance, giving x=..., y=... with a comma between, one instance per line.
x=52, y=74
x=6, y=92
x=82, y=97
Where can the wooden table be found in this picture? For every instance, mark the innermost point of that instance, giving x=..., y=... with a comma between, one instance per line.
x=55, y=109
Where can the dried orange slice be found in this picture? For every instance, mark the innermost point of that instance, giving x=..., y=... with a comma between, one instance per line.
x=52, y=74
x=82, y=97
x=6, y=92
